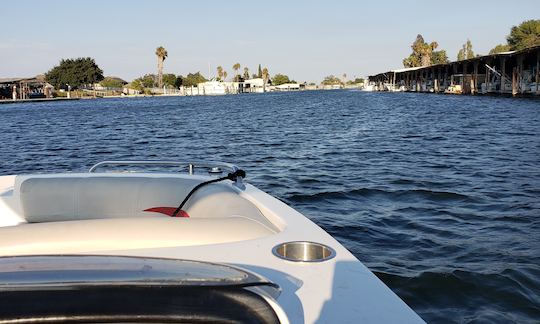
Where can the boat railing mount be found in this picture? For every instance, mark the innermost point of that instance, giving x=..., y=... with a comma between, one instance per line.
x=212, y=167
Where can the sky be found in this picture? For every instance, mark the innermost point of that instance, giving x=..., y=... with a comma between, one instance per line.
x=306, y=40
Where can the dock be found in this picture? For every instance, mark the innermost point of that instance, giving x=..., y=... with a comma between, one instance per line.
x=8, y=101
x=513, y=73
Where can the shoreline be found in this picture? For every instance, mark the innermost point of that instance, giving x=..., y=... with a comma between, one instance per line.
x=11, y=101
x=494, y=95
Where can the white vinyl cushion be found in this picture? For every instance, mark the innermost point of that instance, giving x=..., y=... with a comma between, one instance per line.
x=48, y=199
x=97, y=235
x=52, y=198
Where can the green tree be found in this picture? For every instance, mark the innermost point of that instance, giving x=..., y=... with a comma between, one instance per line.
x=500, y=48
x=193, y=79
x=421, y=53
x=112, y=82
x=161, y=54
x=527, y=34
x=439, y=57
x=355, y=81
x=169, y=80
x=331, y=80
x=259, y=73
x=179, y=81
x=265, y=74
x=220, y=72
x=279, y=79
x=136, y=85
x=236, y=68
x=246, y=73
x=148, y=80
x=466, y=52
x=75, y=72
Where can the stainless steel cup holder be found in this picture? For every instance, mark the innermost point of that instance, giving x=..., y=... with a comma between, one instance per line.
x=302, y=251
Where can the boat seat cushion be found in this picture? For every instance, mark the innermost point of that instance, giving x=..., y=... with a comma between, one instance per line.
x=62, y=198
x=92, y=236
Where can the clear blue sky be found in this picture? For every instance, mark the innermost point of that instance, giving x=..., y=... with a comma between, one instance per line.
x=307, y=40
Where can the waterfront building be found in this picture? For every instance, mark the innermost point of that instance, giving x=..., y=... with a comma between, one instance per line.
x=513, y=73
x=255, y=85
x=287, y=87
x=25, y=88
x=213, y=87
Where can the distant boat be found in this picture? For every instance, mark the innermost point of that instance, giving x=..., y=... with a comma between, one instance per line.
x=368, y=87
x=454, y=89
x=393, y=87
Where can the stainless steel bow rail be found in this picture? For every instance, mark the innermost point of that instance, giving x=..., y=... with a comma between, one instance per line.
x=213, y=167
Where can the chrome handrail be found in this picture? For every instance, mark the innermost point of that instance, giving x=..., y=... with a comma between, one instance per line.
x=215, y=167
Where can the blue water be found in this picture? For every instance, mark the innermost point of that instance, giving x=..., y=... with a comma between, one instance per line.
x=438, y=195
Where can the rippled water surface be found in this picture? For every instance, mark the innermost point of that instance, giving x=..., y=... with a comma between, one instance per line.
x=439, y=195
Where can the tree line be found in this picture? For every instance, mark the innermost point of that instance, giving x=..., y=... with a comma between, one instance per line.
x=74, y=73
x=84, y=72
x=78, y=72
x=193, y=79
x=527, y=34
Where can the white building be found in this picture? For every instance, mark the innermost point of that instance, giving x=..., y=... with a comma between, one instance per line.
x=255, y=85
x=213, y=87
x=287, y=87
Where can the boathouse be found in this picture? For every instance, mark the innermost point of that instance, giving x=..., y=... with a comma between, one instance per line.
x=25, y=88
x=512, y=73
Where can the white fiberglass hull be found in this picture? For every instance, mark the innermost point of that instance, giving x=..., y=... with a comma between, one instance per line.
x=338, y=290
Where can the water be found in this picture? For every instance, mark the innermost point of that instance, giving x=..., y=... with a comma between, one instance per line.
x=439, y=195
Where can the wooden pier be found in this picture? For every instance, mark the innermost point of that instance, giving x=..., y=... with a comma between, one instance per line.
x=509, y=73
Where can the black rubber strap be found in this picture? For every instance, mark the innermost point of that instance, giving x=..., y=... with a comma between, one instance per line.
x=231, y=176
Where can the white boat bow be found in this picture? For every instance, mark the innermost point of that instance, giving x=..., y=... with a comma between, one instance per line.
x=228, y=222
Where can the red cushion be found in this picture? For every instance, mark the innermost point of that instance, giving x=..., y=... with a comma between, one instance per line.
x=169, y=211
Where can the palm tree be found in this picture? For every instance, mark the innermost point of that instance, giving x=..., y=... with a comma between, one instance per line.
x=344, y=77
x=220, y=72
x=161, y=54
x=265, y=76
x=427, y=52
x=246, y=73
x=466, y=51
x=224, y=75
x=236, y=67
